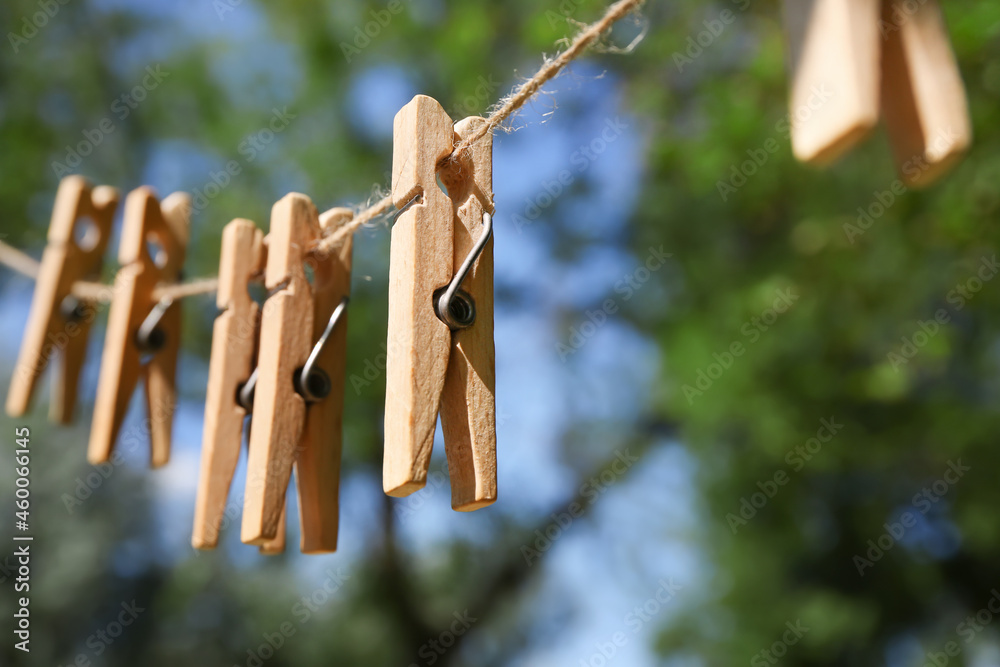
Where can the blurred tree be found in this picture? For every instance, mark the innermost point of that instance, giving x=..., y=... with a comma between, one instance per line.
x=807, y=448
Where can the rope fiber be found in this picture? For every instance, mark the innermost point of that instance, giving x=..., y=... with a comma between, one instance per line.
x=504, y=109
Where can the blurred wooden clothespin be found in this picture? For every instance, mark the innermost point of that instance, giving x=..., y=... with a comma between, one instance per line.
x=229, y=394
x=853, y=60
x=59, y=322
x=440, y=355
x=143, y=334
x=923, y=99
x=299, y=393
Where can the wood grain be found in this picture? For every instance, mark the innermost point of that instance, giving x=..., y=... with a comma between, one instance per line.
x=834, y=72
x=317, y=469
x=285, y=341
x=420, y=262
x=49, y=335
x=468, y=404
x=234, y=344
x=923, y=98
x=132, y=301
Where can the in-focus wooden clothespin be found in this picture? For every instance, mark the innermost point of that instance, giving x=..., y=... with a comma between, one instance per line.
x=923, y=98
x=58, y=322
x=233, y=357
x=153, y=243
x=852, y=60
x=440, y=355
x=299, y=393
x=834, y=71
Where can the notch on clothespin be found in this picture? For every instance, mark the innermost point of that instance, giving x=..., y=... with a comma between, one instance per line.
x=440, y=355
x=853, y=60
x=59, y=322
x=299, y=391
x=143, y=334
x=229, y=394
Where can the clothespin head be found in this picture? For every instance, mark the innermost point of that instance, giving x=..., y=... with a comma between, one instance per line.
x=298, y=396
x=923, y=98
x=59, y=323
x=154, y=239
x=440, y=356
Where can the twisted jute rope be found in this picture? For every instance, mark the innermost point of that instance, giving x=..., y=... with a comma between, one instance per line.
x=504, y=109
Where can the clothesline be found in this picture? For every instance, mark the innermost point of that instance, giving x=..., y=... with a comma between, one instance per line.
x=505, y=108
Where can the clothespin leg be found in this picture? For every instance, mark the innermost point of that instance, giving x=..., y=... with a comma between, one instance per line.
x=468, y=404
x=132, y=302
x=234, y=344
x=833, y=58
x=285, y=343
x=317, y=467
x=420, y=262
x=923, y=98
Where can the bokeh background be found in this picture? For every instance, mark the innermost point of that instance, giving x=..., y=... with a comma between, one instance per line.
x=673, y=559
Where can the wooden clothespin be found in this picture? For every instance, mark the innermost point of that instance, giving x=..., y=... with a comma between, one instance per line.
x=59, y=323
x=852, y=60
x=299, y=393
x=834, y=68
x=140, y=325
x=923, y=98
x=234, y=344
x=440, y=356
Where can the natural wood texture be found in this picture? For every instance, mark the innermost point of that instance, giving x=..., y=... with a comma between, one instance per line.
x=420, y=262
x=468, y=405
x=234, y=342
x=49, y=333
x=276, y=545
x=285, y=341
x=923, y=98
x=317, y=469
x=167, y=224
x=834, y=66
